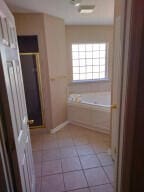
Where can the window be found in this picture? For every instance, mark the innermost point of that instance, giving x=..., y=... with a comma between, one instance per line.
x=89, y=61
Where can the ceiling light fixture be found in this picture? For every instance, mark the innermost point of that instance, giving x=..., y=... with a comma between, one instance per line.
x=86, y=9
x=76, y=3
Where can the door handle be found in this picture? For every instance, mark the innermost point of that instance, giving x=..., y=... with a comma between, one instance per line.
x=114, y=106
x=30, y=122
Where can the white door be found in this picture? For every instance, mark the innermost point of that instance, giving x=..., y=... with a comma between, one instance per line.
x=116, y=88
x=16, y=97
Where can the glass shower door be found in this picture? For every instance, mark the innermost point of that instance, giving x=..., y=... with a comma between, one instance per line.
x=32, y=86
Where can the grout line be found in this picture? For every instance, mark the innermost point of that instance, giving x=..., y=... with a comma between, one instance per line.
x=106, y=175
x=78, y=189
x=76, y=156
x=101, y=185
x=73, y=146
x=83, y=170
x=63, y=176
x=69, y=171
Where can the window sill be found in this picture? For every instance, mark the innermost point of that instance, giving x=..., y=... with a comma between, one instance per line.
x=90, y=81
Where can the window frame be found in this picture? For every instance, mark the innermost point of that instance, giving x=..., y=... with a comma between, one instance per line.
x=106, y=78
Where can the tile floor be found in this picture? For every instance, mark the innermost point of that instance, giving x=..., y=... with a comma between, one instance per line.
x=74, y=159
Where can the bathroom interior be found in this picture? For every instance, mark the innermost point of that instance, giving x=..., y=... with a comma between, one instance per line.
x=67, y=66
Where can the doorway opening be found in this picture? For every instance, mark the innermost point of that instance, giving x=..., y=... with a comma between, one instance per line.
x=74, y=157
x=30, y=62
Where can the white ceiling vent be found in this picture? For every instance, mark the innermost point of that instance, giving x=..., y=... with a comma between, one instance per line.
x=86, y=9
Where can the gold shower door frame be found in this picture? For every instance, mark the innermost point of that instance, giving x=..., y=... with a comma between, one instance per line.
x=37, y=56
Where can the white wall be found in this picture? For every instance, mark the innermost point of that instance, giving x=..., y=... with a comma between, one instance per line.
x=56, y=52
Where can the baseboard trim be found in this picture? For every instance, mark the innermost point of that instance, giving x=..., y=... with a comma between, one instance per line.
x=59, y=127
x=97, y=129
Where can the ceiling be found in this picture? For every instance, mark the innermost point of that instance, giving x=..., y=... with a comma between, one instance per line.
x=102, y=15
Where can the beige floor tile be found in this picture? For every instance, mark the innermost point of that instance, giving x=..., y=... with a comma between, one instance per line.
x=106, y=139
x=81, y=141
x=51, y=167
x=37, y=156
x=51, y=154
x=36, y=145
x=49, y=144
x=68, y=152
x=96, y=176
x=74, y=180
x=95, y=141
x=53, y=183
x=110, y=172
x=100, y=147
x=102, y=188
x=97, y=138
x=50, y=137
x=94, y=133
x=59, y=152
x=68, y=142
x=71, y=164
x=35, y=136
x=63, y=134
x=74, y=135
x=78, y=133
x=81, y=131
x=105, y=159
x=89, y=161
x=85, y=150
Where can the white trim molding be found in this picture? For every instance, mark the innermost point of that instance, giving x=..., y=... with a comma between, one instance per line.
x=96, y=129
x=59, y=127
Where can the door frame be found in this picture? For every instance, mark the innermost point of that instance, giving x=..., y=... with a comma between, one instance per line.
x=129, y=79
x=125, y=14
x=132, y=30
x=125, y=18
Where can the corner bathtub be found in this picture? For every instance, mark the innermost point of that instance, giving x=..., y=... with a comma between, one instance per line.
x=91, y=110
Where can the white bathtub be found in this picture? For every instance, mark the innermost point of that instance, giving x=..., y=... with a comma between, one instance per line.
x=91, y=110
